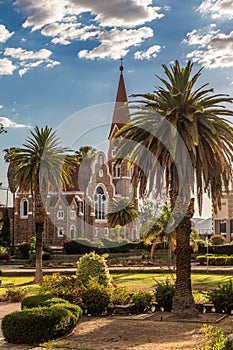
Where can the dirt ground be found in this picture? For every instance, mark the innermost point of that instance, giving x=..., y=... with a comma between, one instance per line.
x=112, y=333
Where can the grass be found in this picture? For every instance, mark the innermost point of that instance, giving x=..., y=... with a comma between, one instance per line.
x=149, y=280
x=19, y=282
x=135, y=281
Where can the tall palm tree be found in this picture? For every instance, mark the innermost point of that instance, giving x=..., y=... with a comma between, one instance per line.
x=2, y=130
x=41, y=165
x=121, y=211
x=11, y=171
x=178, y=137
x=85, y=157
x=158, y=230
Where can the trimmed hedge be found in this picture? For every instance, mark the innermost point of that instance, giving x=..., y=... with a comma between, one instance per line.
x=215, y=260
x=33, y=326
x=35, y=300
x=103, y=245
x=226, y=249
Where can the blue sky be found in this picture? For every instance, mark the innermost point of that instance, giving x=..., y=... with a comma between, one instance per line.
x=60, y=57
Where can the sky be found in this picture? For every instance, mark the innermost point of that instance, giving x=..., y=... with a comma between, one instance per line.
x=59, y=60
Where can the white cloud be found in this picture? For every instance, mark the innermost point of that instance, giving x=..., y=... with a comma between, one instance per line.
x=22, y=54
x=216, y=53
x=4, y=34
x=1, y=106
x=8, y=123
x=7, y=67
x=152, y=52
x=64, y=33
x=116, y=43
x=201, y=37
x=62, y=21
x=27, y=60
x=217, y=8
x=120, y=13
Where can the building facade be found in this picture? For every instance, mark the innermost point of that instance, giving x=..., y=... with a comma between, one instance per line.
x=76, y=213
x=223, y=220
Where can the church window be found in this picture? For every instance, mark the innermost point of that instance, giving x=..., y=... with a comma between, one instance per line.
x=116, y=171
x=60, y=214
x=101, y=173
x=60, y=231
x=106, y=231
x=72, y=231
x=72, y=214
x=100, y=203
x=101, y=159
x=24, y=208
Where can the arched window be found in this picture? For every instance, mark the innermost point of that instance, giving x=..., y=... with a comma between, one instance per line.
x=100, y=203
x=72, y=231
x=24, y=208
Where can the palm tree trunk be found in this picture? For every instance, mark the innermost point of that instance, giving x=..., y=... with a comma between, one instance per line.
x=183, y=301
x=39, y=225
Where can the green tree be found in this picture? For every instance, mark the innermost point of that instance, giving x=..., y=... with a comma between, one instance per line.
x=178, y=137
x=85, y=157
x=5, y=233
x=41, y=165
x=121, y=211
x=158, y=231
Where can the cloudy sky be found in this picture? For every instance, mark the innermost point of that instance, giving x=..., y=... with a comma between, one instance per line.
x=59, y=58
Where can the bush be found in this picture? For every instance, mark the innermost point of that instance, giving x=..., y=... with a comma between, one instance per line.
x=33, y=301
x=143, y=300
x=22, y=250
x=221, y=249
x=222, y=297
x=93, y=265
x=37, y=325
x=217, y=239
x=217, y=339
x=93, y=297
x=120, y=296
x=58, y=285
x=164, y=294
x=53, y=301
x=14, y=294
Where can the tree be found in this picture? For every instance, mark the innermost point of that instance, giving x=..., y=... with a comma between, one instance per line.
x=121, y=211
x=158, y=230
x=5, y=233
x=2, y=130
x=178, y=137
x=11, y=171
x=85, y=157
x=41, y=165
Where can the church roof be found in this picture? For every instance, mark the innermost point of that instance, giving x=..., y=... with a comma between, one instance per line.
x=121, y=112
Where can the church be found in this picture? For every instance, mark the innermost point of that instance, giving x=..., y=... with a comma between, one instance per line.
x=81, y=212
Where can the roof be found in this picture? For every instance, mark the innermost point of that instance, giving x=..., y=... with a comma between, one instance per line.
x=121, y=114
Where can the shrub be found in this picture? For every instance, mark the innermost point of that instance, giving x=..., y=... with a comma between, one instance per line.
x=217, y=339
x=221, y=249
x=53, y=301
x=37, y=325
x=164, y=293
x=217, y=239
x=93, y=265
x=142, y=300
x=120, y=296
x=222, y=297
x=33, y=301
x=58, y=285
x=93, y=298
x=74, y=309
x=14, y=294
x=22, y=250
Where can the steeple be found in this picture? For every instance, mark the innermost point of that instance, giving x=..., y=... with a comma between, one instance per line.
x=121, y=111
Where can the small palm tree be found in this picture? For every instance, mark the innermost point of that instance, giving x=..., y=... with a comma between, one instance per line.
x=41, y=165
x=121, y=211
x=178, y=137
x=158, y=230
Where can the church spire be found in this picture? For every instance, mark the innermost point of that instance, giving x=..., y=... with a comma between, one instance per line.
x=121, y=111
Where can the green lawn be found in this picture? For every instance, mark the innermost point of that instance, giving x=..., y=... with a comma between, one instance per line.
x=135, y=281
x=141, y=280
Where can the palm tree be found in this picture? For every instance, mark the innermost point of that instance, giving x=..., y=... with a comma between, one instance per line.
x=85, y=156
x=121, y=211
x=2, y=130
x=178, y=137
x=158, y=230
x=11, y=171
x=41, y=165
